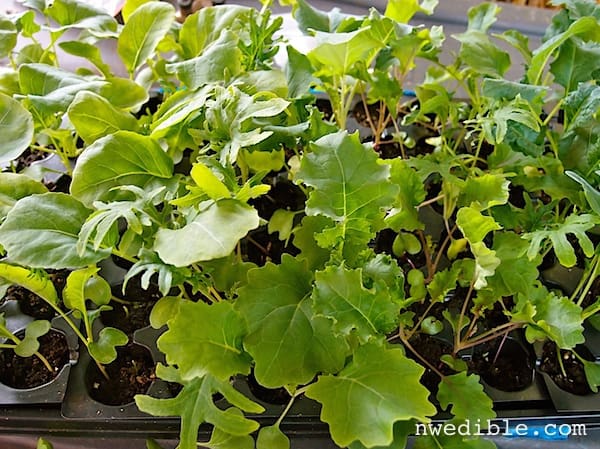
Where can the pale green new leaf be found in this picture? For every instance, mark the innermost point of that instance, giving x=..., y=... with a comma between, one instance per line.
x=486, y=263
x=13, y=187
x=213, y=334
x=223, y=440
x=574, y=224
x=31, y=280
x=271, y=437
x=483, y=192
x=81, y=15
x=483, y=16
x=194, y=404
x=29, y=345
x=403, y=10
x=288, y=343
x=474, y=225
x=123, y=158
x=103, y=349
x=469, y=401
x=89, y=52
x=339, y=294
x=591, y=194
x=94, y=117
x=41, y=231
x=8, y=36
x=76, y=290
x=144, y=30
x=211, y=234
x=411, y=193
x=592, y=374
x=16, y=124
x=377, y=389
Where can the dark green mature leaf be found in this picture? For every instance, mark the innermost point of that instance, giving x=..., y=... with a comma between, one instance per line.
x=288, y=342
x=223, y=440
x=501, y=89
x=123, y=158
x=299, y=73
x=481, y=55
x=591, y=194
x=30, y=344
x=103, y=349
x=205, y=26
x=13, y=187
x=41, y=231
x=549, y=316
x=94, y=117
x=8, y=36
x=213, y=334
x=16, y=124
x=144, y=30
x=339, y=294
x=581, y=136
x=483, y=16
x=304, y=240
x=377, y=389
x=195, y=406
x=218, y=62
x=211, y=234
x=542, y=54
x=351, y=187
x=576, y=63
x=592, y=374
x=557, y=234
x=469, y=401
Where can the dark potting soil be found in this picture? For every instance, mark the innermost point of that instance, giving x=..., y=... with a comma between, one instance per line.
x=324, y=105
x=33, y=305
x=284, y=194
x=505, y=365
x=431, y=349
x=130, y=374
x=261, y=247
x=575, y=381
x=61, y=185
x=360, y=115
x=278, y=396
x=29, y=372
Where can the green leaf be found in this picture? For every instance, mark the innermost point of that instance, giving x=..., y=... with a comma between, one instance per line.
x=549, y=316
x=143, y=31
x=41, y=231
x=403, y=10
x=130, y=6
x=288, y=343
x=591, y=194
x=411, y=193
x=377, y=389
x=469, y=401
x=124, y=93
x=8, y=36
x=498, y=124
x=402, y=430
x=339, y=294
x=17, y=128
x=592, y=374
x=473, y=225
x=557, y=234
x=223, y=440
x=486, y=263
x=42, y=286
x=103, y=350
x=576, y=63
x=351, y=187
x=483, y=16
x=304, y=240
x=44, y=444
x=81, y=15
x=271, y=437
x=195, y=405
x=481, y=55
x=205, y=26
x=501, y=89
x=483, y=192
x=282, y=222
x=299, y=73
x=164, y=310
x=543, y=53
x=212, y=233
x=310, y=19
x=29, y=345
x=208, y=182
x=123, y=158
x=94, y=117
x=13, y=187
x=220, y=61
x=87, y=51
x=216, y=344
x=76, y=290
x=180, y=107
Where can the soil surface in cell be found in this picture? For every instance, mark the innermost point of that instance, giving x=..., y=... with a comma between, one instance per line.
x=431, y=349
x=30, y=303
x=504, y=365
x=130, y=374
x=277, y=396
x=29, y=372
x=574, y=381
